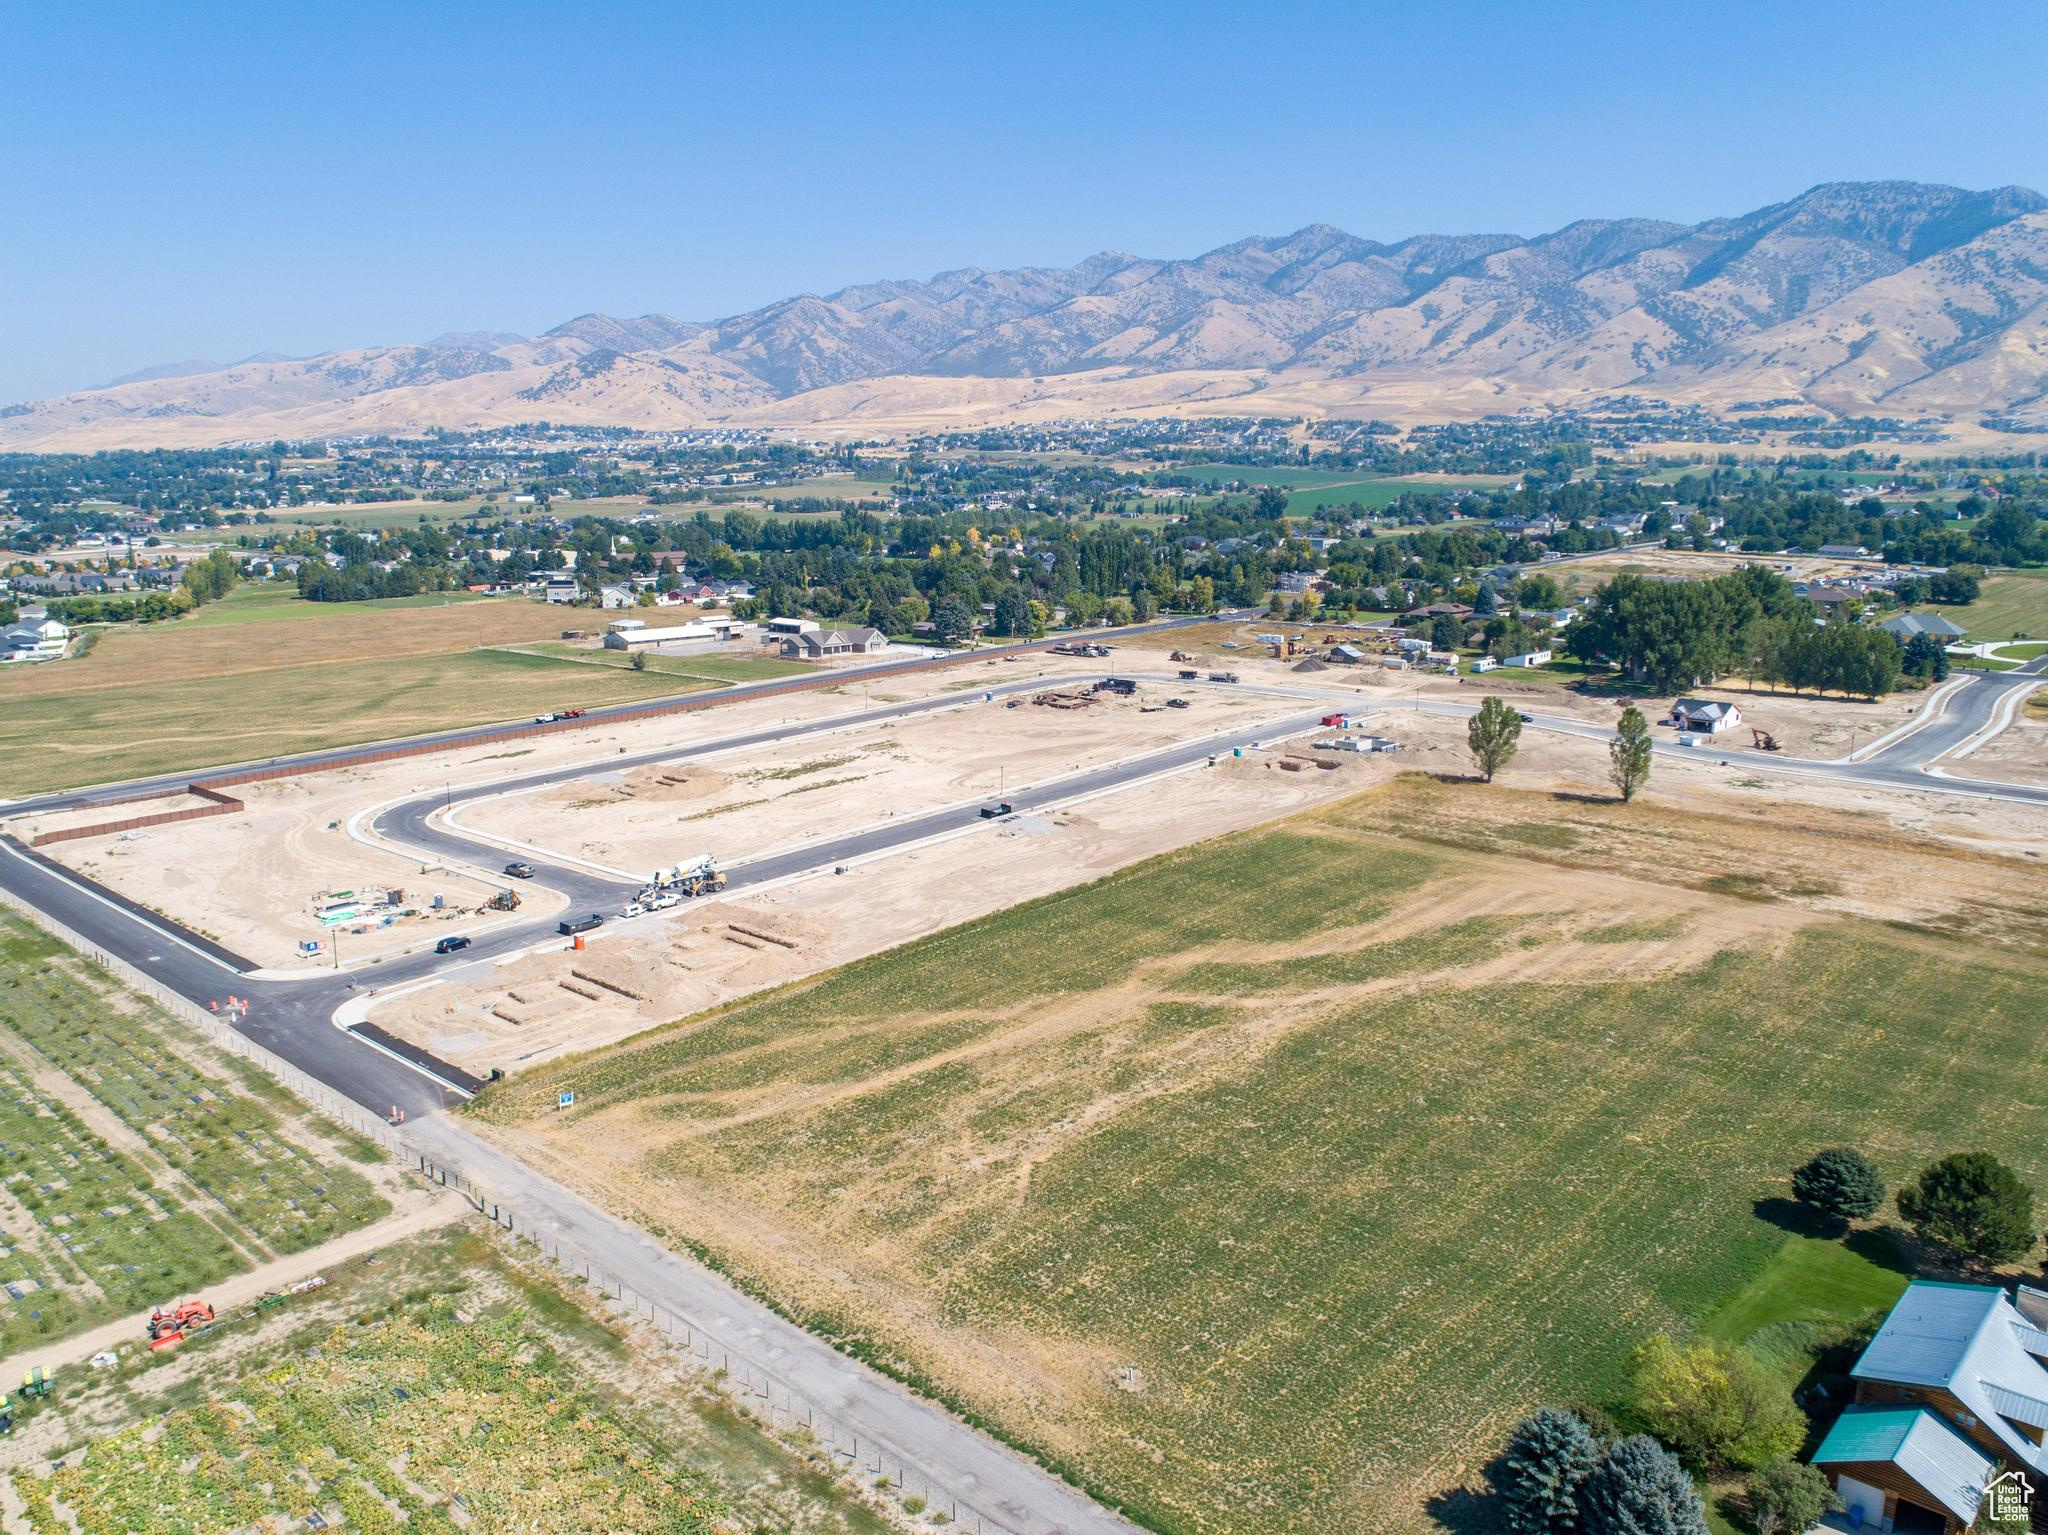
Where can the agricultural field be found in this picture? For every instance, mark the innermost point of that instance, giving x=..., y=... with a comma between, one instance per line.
x=128, y=1171
x=2012, y=603
x=449, y=1385
x=1310, y=490
x=263, y=673
x=1261, y=1186
x=736, y=667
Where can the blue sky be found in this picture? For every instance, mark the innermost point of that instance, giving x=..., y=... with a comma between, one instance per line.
x=213, y=179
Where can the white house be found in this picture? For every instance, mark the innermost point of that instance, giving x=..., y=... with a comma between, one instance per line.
x=1701, y=716
x=616, y=597
x=36, y=637
x=560, y=588
x=1529, y=658
x=1484, y=664
x=815, y=644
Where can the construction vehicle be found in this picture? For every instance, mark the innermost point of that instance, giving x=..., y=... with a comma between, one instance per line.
x=1123, y=687
x=170, y=1327
x=1190, y=675
x=1181, y=655
x=504, y=900
x=1763, y=740
x=692, y=877
x=1176, y=703
x=36, y=1382
x=1223, y=676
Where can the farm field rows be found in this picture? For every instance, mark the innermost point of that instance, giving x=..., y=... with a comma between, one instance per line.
x=1261, y=1186
x=131, y=1173
x=447, y=1386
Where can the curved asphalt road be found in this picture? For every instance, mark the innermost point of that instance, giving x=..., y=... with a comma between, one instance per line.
x=296, y=1019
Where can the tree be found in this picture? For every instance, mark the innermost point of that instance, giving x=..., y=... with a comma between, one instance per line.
x=1628, y=754
x=1446, y=633
x=1547, y=1459
x=1717, y=1405
x=1639, y=1488
x=1972, y=1204
x=639, y=660
x=1013, y=612
x=1791, y=1497
x=1840, y=1182
x=950, y=620
x=1926, y=658
x=1492, y=735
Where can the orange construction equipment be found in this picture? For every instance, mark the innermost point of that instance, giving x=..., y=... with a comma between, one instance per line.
x=169, y=1328
x=1763, y=740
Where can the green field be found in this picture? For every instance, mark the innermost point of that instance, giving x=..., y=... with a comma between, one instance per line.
x=449, y=1385
x=2012, y=602
x=1261, y=1186
x=200, y=1177
x=109, y=734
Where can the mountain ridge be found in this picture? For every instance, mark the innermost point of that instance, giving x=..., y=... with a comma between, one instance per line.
x=1885, y=297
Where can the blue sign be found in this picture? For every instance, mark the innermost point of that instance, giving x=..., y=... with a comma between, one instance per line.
x=565, y=1099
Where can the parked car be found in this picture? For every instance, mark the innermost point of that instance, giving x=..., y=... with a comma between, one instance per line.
x=1526, y=719
x=634, y=909
x=583, y=924
x=451, y=945
x=519, y=870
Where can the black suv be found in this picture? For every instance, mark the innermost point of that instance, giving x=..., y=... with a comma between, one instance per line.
x=451, y=945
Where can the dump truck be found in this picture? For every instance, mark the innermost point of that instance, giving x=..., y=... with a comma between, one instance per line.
x=1190, y=675
x=1223, y=676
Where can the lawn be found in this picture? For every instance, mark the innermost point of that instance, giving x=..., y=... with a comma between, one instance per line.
x=269, y=602
x=209, y=1173
x=1261, y=1186
x=2012, y=602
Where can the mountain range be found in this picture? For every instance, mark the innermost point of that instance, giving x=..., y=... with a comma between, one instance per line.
x=1870, y=298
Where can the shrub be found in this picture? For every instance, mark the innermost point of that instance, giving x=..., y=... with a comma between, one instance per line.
x=1717, y=1406
x=1790, y=1496
x=1972, y=1204
x=1639, y=1488
x=1548, y=1457
x=1840, y=1182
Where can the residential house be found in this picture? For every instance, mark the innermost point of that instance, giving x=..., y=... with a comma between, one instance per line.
x=1951, y=1396
x=816, y=644
x=559, y=589
x=34, y=636
x=1844, y=552
x=614, y=596
x=1704, y=716
x=1905, y=626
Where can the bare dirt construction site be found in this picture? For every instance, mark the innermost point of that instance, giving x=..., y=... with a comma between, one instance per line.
x=1199, y=1176
x=2016, y=754
x=773, y=797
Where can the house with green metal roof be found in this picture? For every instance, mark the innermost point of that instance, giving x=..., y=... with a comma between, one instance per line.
x=1951, y=1396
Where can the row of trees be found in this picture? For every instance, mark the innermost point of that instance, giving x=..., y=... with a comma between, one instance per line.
x=1672, y=635
x=203, y=581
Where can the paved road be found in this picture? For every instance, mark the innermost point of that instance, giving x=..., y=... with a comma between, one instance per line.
x=166, y=783
x=295, y=1018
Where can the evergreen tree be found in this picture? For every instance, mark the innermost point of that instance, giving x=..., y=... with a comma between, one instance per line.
x=1972, y=1204
x=1639, y=1488
x=1840, y=1182
x=1549, y=1455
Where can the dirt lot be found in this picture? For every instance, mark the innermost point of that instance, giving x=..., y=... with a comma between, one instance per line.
x=249, y=880
x=748, y=803
x=639, y=974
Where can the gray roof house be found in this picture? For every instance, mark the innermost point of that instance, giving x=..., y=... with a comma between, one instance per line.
x=1951, y=1396
x=814, y=644
x=1904, y=626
